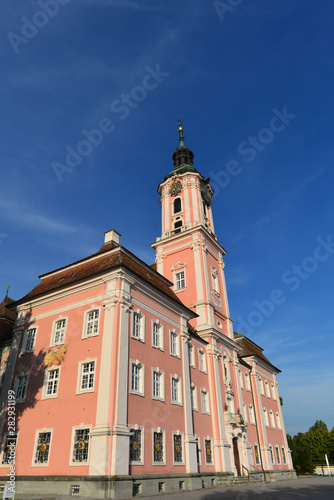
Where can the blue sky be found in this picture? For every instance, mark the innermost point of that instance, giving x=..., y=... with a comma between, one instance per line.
x=253, y=83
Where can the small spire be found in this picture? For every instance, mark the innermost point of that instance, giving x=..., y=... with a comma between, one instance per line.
x=181, y=138
x=7, y=290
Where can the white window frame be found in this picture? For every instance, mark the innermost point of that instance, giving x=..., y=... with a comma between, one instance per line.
x=92, y=309
x=202, y=360
x=178, y=433
x=46, y=381
x=245, y=412
x=80, y=375
x=3, y=447
x=283, y=455
x=176, y=337
x=75, y=428
x=193, y=397
x=257, y=448
x=38, y=432
x=241, y=379
x=266, y=418
x=178, y=382
x=141, y=318
x=162, y=431
x=205, y=397
x=161, y=376
x=247, y=382
x=24, y=349
x=211, y=446
x=142, y=444
x=278, y=421
x=191, y=355
x=179, y=280
x=267, y=389
x=160, y=344
x=277, y=455
x=261, y=386
x=251, y=414
x=18, y=377
x=54, y=329
x=141, y=377
x=273, y=391
x=271, y=454
x=214, y=280
x=272, y=419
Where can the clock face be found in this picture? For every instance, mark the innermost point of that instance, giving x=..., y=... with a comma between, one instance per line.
x=175, y=188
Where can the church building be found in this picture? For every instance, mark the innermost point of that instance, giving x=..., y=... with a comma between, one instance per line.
x=128, y=379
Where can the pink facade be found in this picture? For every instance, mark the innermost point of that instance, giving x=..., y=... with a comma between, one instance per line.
x=121, y=370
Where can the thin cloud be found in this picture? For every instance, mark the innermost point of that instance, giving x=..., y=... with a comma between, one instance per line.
x=22, y=216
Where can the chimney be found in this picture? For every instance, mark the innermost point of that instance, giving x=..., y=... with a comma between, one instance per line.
x=111, y=235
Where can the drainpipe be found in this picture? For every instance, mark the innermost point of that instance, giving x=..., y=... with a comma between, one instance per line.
x=257, y=428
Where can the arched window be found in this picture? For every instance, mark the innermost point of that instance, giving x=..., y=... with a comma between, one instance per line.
x=177, y=205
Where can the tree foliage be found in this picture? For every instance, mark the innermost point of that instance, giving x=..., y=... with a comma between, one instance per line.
x=309, y=449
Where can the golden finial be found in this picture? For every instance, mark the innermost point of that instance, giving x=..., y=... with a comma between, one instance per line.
x=181, y=138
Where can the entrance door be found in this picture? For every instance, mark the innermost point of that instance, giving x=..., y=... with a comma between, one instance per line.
x=236, y=455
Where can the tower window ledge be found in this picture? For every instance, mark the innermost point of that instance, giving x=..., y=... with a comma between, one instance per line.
x=180, y=290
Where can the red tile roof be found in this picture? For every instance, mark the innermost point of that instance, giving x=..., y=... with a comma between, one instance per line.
x=249, y=348
x=109, y=256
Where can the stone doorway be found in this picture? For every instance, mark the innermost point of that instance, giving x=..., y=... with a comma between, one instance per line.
x=236, y=455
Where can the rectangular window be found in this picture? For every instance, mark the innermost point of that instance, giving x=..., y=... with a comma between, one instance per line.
x=30, y=340
x=271, y=454
x=9, y=449
x=52, y=382
x=157, y=378
x=136, y=326
x=180, y=281
x=245, y=412
x=174, y=343
x=193, y=395
x=59, y=331
x=272, y=420
x=256, y=453
x=92, y=325
x=247, y=382
x=43, y=448
x=191, y=355
x=261, y=387
x=201, y=361
x=208, y=451
x=267, y=389
x=87, y=375
x=273, y=391
x=178, y=448
x=135, y=445
x=278, y=455
x=156, y=341
x=21, y=389
x=265, y=414
x=81, y=445
x=158, y=447
x=278, y=420
x=214, y=276
x=283, y=455
x=176, y=390
x=251, y=414
x=205, y=401
x=135, y=378
x=241, y=379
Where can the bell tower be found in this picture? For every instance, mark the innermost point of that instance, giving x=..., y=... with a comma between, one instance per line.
x=188, y=252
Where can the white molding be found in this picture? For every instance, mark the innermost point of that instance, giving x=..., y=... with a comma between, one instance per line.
x=79, y=378
x=45, y=382
x=74, y=428
x=92, y=308
x=37, y=432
